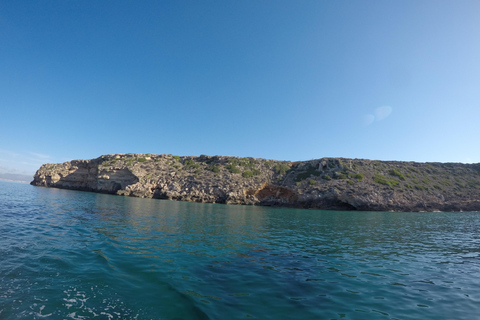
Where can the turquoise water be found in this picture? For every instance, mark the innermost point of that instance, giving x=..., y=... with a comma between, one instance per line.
x=77, y=255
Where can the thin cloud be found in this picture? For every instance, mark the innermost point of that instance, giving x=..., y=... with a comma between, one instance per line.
x=9, y=153
x=368, y=119
x=380, y=113
x=25, y=162
x=40, y=155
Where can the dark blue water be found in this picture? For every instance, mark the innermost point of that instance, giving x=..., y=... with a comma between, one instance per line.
x=76, y=255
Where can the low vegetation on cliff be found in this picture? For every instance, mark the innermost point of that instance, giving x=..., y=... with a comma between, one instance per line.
x=327, y=183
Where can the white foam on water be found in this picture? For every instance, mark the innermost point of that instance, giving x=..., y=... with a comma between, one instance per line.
x=74, y=316
x=107, y=314
x=39, y=299
x=39, y=313
x=82, y=305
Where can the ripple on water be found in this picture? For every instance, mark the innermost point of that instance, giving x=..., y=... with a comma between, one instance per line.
x=74, y=255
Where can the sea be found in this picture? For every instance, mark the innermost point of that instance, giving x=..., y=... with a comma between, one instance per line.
x=78, y=255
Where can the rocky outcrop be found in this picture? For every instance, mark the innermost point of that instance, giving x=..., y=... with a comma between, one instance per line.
x=327, y=183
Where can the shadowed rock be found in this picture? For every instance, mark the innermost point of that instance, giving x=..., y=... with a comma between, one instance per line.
x=327, y=183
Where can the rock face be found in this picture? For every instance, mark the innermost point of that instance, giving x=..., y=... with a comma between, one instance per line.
x=327, y=183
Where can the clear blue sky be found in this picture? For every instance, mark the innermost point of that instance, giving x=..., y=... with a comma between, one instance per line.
x=286, y=80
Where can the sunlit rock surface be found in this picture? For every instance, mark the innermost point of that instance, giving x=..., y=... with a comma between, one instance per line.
x=327, y=183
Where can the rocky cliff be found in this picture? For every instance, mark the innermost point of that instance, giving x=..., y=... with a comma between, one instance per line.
x=327, y=183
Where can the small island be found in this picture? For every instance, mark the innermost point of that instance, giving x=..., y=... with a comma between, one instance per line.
x=326, y=183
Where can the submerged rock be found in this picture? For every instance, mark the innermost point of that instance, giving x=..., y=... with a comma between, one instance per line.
x=327, y=183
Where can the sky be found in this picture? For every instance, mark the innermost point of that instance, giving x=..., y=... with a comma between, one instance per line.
x=284, y=80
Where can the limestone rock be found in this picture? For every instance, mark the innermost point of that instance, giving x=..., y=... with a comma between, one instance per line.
x=327, y=183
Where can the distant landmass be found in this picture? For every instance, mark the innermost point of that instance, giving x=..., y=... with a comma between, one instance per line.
x=15, y=177
x=326, y=183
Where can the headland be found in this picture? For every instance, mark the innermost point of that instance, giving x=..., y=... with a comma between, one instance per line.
x=326, y=183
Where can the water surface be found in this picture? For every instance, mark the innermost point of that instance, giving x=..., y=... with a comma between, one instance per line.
x=77, y=255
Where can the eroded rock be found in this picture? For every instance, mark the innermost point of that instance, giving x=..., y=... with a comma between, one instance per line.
x=327, y=183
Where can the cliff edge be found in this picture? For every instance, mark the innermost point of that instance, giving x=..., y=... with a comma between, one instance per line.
x=327, y=183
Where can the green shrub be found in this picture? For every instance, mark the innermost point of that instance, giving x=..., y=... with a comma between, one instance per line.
x=312, y=182
x=326, y=177
x=413, y=169
x=233, y=169
x=446, y=182
x=358, y=176
x=142, y=160
x=309, y=171
x=247, y=174
x=246, y=162
x=233, y=161
x=281, y=168
x=214, y=168
x=380, y=179
x=302, y=176
x=190, y=164
x=342, y=175
x=473, y=184
x=383, y=180
x=396, y=173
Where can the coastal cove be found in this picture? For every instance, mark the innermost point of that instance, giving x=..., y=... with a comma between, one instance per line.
x=79, y=255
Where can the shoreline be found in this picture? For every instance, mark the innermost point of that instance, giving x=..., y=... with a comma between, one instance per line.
x=326, y=183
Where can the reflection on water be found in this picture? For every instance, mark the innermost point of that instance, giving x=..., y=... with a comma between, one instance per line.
x=77, y=255
x=146, y=226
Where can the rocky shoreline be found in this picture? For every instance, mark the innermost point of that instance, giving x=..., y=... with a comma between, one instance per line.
x=327, y=183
